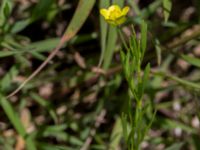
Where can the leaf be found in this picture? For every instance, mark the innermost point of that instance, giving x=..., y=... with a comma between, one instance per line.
x=143, y=37
x=135, y=7
x=44, y=103
x=167, y=6
x=20, y=25
x=44, y=46
x=13, y=117
x=75, y=141
x=5, y=10
x=41, y=9
x=110, y=46
x=147, y=11
x=15, y=120
x=122, y=56
x=148, y=126
x=119, y=2
x=56, y=131
x=116, y=135
x=124, y=125
x=7, y=53
x=144, y=81
x=5, y=82
x=192, y=60
x=176, y=146
x=83, y=10
x=185, y=82
x=171, y=124
x=158, y=51
x=38, y=56
x=180, y=81
x=127, y=67
x=47, y=146
x=104, y=30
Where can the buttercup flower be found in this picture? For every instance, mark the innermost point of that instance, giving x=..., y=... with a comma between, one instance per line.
x=114, y=14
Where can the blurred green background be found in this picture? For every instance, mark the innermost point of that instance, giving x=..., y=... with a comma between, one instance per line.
x=76, y=100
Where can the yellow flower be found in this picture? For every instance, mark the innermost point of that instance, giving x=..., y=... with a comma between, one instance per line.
x=114, y=14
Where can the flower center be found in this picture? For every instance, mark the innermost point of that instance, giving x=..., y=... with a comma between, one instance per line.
x=114, y=14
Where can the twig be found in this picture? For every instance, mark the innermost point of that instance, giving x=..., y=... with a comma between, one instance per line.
x=64, y=39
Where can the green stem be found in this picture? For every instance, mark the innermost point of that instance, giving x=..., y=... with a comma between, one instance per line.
x=122, y=38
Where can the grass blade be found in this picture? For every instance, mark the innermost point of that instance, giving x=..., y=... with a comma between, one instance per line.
x=112, y=37
x=143, y=37
x=104, y=30
x=14, y=119
x=192, y=60
x=83, y=10
x=167, y=6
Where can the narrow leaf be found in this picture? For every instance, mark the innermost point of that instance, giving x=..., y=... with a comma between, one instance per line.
x=15, y=120
x=192, y=60
x=104, y=30
x=110, y=46
x=143, y=37
x=175, y=146
x=167, y=6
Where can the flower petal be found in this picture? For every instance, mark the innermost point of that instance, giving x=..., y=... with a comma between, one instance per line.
x=114, y=14
x=112, y=22
x=125, y=10
x=114, y=8
x=104, y=12
x=120, y=20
